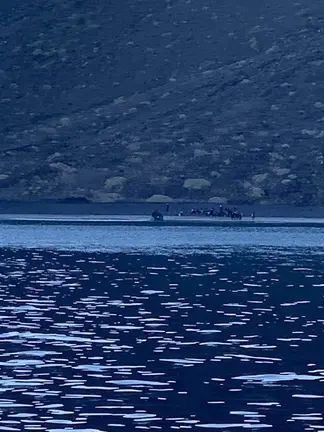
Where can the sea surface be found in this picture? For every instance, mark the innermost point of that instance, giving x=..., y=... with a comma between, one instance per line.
x=161, y=328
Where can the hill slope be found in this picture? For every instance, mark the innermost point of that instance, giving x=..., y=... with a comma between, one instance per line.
x=183, y=98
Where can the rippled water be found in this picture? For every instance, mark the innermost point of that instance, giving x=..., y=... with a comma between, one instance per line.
x=98, y=341
x=155, y=239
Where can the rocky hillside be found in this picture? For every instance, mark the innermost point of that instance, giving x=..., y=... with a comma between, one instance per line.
x=187, y=99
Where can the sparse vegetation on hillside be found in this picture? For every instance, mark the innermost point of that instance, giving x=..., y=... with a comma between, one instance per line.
x=168, y=99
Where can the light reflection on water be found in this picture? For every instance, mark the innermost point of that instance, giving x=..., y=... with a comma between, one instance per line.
x=230, y=339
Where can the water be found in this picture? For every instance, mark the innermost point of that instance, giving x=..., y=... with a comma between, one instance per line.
x=161, y=329
x=155, y=239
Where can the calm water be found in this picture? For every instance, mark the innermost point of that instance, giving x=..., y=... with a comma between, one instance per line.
x=106, y=329
x=155, y=240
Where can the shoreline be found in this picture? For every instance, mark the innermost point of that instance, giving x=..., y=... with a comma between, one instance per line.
x=75, y=208
x=146, y=221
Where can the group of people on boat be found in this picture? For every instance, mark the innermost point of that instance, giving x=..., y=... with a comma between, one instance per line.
x=233, y=213
x=230, y=212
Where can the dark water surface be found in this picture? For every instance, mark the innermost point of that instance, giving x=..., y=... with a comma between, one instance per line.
x=147, y=338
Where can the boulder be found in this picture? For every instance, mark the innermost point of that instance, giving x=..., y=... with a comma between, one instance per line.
x=115, y=184
x=200, y=153
x=215, y=174
x=105, y=197
x=255, y=192
x=62, y=167
x=51, y=158
x=281, y=171
x=159, y=199
x=259, y=178
x=286, y=181
x=196, y=184
x=217, y=200
x=4, y=180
